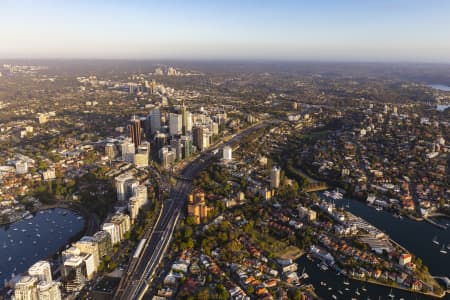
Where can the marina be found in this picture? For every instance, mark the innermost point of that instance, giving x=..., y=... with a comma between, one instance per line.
x=400, y=231
x=405, y=232
x=329, y=283
x=29, y=240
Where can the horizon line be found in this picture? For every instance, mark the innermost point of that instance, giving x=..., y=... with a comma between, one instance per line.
x=237, y=60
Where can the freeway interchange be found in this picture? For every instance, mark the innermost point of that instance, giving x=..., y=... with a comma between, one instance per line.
x=142, y=269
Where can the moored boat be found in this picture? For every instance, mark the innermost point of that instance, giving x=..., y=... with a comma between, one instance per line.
x=435, y=241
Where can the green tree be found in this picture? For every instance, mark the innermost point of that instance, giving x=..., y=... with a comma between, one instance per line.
x=222, y=293
x=203, y=294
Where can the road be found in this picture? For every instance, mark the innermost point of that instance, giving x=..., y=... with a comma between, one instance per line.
x=140, y=273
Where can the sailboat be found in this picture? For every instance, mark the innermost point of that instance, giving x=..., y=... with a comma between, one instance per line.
x=391, y=295
x=435, y=240
x=346, y=282
x=348, y=204
x=448, y=246
x=443, y=251
x=304, y=275
x=357, y=292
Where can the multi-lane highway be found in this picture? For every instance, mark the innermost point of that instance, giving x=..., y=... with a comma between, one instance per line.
x=141, y=270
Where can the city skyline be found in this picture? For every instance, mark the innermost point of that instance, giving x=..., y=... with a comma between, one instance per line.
x=403, y=31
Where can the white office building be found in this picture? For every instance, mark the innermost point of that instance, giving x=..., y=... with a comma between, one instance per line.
x=188, y=122
x=128, y=150
x=110, y=150
x=113, y=231
x=175, y=124
x=275, y=178
x=122, y=186
x=155, y=120
x=227, y=153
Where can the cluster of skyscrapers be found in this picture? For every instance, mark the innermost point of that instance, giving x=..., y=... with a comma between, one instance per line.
x=175, y=135
x=185, y=133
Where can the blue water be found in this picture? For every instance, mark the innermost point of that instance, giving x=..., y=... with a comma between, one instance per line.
x=440, y=87
x=442, y=107
x=336, y=283
x=27, y=241
x=414, y=236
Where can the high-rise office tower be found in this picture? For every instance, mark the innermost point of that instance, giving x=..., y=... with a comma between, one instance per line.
x=175, y=124
x=188, y=123
x=186, y=141
x=177, y=145
x=186, y=119
x=227, y=153
x=110, y=150
x=122, y=182
x=167, y=156
x=197, y=133
x=275, y=178
x=160, y=140
x=135, y=131
x=128, y=150
x=142, y=157
x=206, y=139
x=155, y=120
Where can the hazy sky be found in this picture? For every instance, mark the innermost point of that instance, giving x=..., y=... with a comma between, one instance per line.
x=349, y=30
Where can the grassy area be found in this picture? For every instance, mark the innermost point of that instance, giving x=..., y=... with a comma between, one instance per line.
x=291, y=252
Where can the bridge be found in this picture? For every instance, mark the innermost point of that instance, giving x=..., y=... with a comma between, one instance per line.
x=185, y=178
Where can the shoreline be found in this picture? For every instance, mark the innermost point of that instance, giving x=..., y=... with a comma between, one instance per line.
x=76, y=235
x=390, y=209
x=73, y=207
x=397, y=244
x=372, y=281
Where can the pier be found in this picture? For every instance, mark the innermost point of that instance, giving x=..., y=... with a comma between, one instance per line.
x=434, y=222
